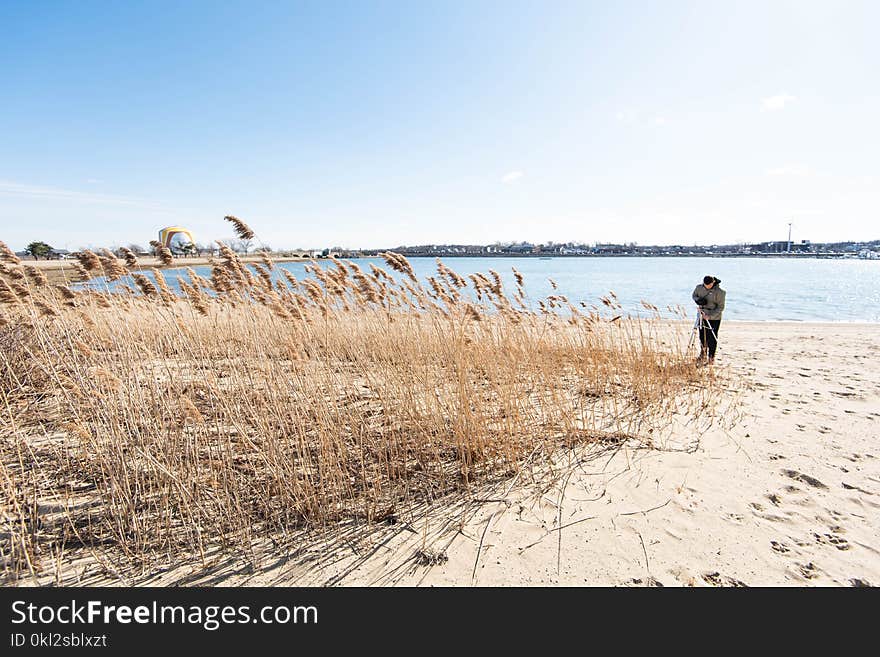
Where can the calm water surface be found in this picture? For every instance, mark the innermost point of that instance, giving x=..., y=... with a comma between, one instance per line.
x=757, y=288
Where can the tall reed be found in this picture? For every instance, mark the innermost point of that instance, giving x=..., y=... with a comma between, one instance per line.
x=141, y=426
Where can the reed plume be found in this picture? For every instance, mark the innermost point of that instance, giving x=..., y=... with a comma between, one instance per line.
x=291, y=279
x=399, y=264
x=241, y=228
x=65, y=291
x=89, y=260
x=518, y=276
x=20, y=289
x=82, y=274
x=145, y=285
x=264, y=275
x=232, y=263
x=497, y=286
x=162, y=285
x=130, y=258
x=267, y=261
x=196, y=280
x=196, y=298
x=15, y=273
x=113, y=267
x=7, y=294
x=165, y=256
x=45, y=309
x=37, y=277
x=8, y=254
x=221, y=281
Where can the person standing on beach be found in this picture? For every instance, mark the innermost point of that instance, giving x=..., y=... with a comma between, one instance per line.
x=710, y=298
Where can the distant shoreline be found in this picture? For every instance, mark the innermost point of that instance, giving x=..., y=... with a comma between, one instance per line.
x=826, y=256
x=57, y=270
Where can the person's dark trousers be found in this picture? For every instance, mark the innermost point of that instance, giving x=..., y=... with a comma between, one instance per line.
x=709, y=335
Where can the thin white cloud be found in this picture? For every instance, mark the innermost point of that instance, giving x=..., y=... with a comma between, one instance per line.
x=94, y=181
x=10, y=188
x=511, y=177
x=632, y=116
x=789, y=170
x=776, y=103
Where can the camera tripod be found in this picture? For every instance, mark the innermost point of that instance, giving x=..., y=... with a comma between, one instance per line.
x=698, y=327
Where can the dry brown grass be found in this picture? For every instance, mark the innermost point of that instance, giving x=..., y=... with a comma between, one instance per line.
x=142, y=428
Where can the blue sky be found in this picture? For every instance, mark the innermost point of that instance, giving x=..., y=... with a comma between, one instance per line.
x=371, y=124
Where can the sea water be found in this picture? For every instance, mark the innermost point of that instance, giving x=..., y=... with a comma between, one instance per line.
x=758, y=289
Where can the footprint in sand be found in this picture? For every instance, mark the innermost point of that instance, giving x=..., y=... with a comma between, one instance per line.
x=851, y=487
x=717, y=579
x=808, y=570
x=832, y=539
x=807, y=479
x=649, y=581
x=758, y=510
x=782, y=548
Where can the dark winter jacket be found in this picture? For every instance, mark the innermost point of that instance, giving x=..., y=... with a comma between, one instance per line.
x=714, y=300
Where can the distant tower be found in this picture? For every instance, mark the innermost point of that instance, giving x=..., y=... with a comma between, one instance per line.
x=789, y=237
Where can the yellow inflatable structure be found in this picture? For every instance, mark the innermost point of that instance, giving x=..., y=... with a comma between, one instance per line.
x=175, y=237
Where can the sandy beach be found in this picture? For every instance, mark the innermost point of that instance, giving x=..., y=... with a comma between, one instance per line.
x=784, y=491
x=788, y=497
x=792, y=496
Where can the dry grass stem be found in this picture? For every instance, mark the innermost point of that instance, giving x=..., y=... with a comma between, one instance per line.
x=143, y=426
